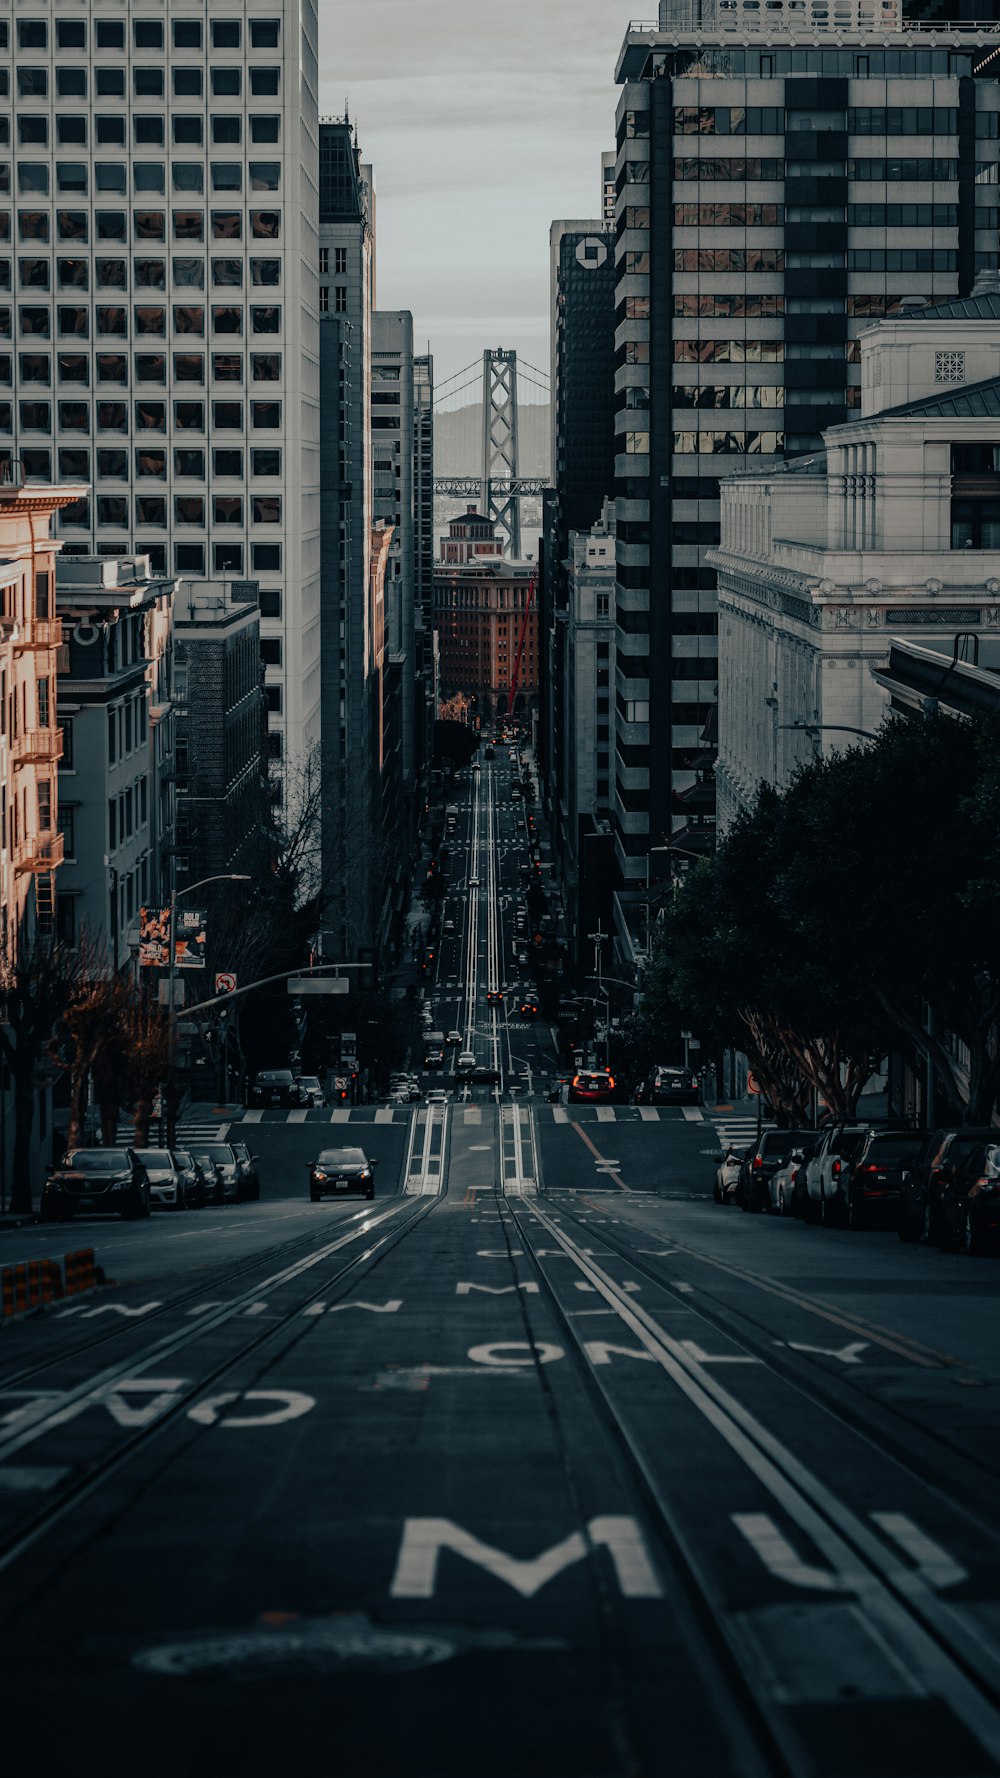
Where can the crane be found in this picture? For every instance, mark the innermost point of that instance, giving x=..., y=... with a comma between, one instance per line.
x=529, y=602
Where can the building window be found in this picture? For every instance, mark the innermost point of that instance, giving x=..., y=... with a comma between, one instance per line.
x=340, y=299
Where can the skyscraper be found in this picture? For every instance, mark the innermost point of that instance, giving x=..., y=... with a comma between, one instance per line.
x=158, y=289
x=781, y=179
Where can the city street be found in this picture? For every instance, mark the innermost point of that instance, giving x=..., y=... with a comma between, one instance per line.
x=541, y=1465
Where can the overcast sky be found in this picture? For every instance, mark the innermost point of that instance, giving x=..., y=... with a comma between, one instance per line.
x=484, y=120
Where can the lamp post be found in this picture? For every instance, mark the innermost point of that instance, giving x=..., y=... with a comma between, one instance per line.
x=175, y=895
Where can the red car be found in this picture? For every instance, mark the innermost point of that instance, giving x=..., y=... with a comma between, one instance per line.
x=596, y=1087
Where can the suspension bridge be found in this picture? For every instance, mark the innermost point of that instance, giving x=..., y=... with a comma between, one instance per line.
x=489, y=428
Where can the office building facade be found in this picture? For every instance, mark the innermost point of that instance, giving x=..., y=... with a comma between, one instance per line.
x=486, y=619
x=158, y=293
x=779, y=184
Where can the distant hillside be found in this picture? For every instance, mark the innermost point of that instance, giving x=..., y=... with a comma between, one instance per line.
x=458, y=440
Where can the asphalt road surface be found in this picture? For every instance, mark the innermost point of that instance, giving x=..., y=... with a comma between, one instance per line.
x=541, y=1465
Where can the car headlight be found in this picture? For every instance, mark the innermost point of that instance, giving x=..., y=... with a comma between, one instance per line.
x=317, y=1174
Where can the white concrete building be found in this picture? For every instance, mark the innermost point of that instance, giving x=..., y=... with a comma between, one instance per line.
x=162, y=275
x=892, y=532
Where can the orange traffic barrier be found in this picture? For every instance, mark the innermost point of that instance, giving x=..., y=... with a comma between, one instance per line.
x=30, y=1284
x=81, y=1272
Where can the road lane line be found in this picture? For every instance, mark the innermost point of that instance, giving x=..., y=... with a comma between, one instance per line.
x=612, y=1172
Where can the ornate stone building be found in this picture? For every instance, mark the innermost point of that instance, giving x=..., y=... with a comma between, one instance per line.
x=892, y=531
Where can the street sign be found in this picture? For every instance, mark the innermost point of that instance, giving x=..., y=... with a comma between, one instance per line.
x=752, y=1086
x=319, y=984
x=225, y=983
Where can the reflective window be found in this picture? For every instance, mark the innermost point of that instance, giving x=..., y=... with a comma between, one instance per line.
x=111, y=225
x=152, y=273
x=150, y=320
x=150, y=416
x=109, y=83
x=187, y=83
x=189, y=462
x=189, y=509
x=112, y=416
x=188, y=176
x=109, y=176
x=189, y=367
x=227, y=463
x=33, y=225
x=75, y=320
x=112, y=465
x=189, y=318
x=151, y=465
x=227, y=320
x=150, y=367
x=265, y=320
x=227, y=271
x=112, y=321
x=186, y=131
x=265, y=224
x=226, y=83
x=226, y=129
x=189, y=271
x=264, y=128
x=227, y=367
x=112, y=367
x=147, y=176
x=71, y=83
x=110, y=130
x=71, y=176
x=227, y=225
x=225, y=33
x=189, y=416
x=265, y=175
x=189, y=225
x=149, y=129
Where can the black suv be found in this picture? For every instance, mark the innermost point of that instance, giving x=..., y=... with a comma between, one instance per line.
x=932, y=1172
x=769, y=1152
x=970, y=1203
x=673, y=1084
x=337, y=1171
x=879, y=1168
x=109, y=1180
x=275, y=1087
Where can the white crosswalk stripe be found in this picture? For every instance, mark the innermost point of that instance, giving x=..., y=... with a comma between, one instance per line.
x=737, y=1132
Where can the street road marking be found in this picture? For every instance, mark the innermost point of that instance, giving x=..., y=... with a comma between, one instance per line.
x=473, y=1114
x=581, y=1132
x=424, y=1539
x=392, y=1307
x=692, y=1115
x=560, y=1115
x=781, y=1560
x=499, y=1252
x=298, y=1117
x=19, y=1479
x=931, y=1561
x=290, y=1404
x=384, y=1114
x=117, y=1309
x=253, y=1117
x=540, y=1352
x=847, y=1354
x=694, y=1351
x=602, y=1351
x=464, y=1289
x=648, y=1114
x=342, y=1115
x=165, y=1392
x=605, y=1114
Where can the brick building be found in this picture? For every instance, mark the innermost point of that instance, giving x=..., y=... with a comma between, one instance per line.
x=483, y=605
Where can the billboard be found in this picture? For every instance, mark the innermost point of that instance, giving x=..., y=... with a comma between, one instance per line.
x=189, y=938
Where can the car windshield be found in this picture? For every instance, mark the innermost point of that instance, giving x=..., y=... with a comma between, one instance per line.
x=155, y=1160
x=276, y=1077
x=182, y=1158
x=98, y=1160
x=781, y=1142
x=342, y=1157
x=221, y=1152
x=309, y=1080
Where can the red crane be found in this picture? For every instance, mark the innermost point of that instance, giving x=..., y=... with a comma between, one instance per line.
x=529, y=602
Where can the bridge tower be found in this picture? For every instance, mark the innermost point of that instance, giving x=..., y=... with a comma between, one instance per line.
x=500, y=492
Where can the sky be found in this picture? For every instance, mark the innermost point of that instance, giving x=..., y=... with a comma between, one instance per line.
x=484, y=121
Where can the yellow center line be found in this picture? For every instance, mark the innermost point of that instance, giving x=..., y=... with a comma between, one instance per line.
x=612, y=1172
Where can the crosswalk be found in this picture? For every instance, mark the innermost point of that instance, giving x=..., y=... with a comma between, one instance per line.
x=737, y=1132
x=214, y=1129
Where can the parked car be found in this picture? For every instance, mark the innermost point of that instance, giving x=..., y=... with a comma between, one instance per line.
x=193, y=1179
x=227, y=1167
x=166, y=1183
x=784, y=1179
x=874, y=1191
x=592, y=1087
x=274, y=1087
x=310, y=1089
x=249, y=1185
x=934, y=1169
x=108, y=1180
x=767, y=1154
x=828, y=1173
x=215, y=1191
x=673, y=1084
x=970, y=1201
x=338, y=1171
x=727, y=1174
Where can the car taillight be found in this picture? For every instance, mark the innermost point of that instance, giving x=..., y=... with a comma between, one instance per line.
x=757, y=1161
x=836, y=1167
x=872, y=1167
x=611, y=1080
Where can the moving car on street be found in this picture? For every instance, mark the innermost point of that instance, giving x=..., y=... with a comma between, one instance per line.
x=111, y=1181
x=592, y=1087
x=275, y=1087
x=336, y=1172
x=465, y=1067
x=310, y=1089
x=673, y=1084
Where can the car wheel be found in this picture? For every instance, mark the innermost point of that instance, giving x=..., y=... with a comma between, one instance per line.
x=779, y=1208
x=855, y=1213
x=911, y=1229
x=717, y=1192
x=972, y=1240
x=314, y=1197
x=369, y=1196
x=811, y=1211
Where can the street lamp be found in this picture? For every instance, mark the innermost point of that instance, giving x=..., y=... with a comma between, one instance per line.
x=815, y=728
x=175, y=895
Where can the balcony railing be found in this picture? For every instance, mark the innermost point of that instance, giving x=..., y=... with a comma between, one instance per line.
x=37, y=746
x=37, y=632
x=42, y=852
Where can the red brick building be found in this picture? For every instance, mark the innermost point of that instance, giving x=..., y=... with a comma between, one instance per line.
x=482, y=604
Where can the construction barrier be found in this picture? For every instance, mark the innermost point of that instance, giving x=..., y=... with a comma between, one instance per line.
x=81, y=1271
x=30, y=1284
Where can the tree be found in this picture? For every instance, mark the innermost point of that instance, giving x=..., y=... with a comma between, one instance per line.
x=455, y=709
x=37, y=982
x=145, y=1030
x=454, y=742
x=90, y=1023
